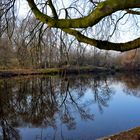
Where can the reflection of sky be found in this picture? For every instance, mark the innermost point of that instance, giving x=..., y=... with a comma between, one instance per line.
x=122, y=113
x=36, y=133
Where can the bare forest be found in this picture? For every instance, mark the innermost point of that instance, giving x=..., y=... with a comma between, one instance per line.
x=26, y=42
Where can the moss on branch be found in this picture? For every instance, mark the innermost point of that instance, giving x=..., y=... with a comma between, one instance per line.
x=103, y=9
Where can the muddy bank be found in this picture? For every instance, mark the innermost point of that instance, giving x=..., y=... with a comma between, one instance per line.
x=133, y=134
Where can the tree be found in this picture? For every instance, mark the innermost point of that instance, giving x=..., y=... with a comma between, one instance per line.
x=99, y=11
x=6, y=53
x=79, y=20
x=7, y=16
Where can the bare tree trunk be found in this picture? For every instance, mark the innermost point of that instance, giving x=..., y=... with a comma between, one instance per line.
x=0, y=20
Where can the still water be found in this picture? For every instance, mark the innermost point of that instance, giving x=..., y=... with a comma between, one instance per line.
x=68, y=108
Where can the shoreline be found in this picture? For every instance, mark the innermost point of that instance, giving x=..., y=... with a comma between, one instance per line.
x=131, y=134
x=63, y=71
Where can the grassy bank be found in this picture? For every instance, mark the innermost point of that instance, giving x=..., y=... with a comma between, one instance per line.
x=54, y=71
x=63, y=71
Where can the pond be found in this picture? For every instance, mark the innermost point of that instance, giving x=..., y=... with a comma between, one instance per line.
x=85, y=107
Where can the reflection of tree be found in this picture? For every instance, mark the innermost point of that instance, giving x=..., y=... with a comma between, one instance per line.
x=130, y=83
x=102, y=92
x=7, y=130
x=42, y=101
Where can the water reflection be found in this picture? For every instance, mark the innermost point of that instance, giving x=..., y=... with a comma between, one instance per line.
x=48, y=102
x=131, y=83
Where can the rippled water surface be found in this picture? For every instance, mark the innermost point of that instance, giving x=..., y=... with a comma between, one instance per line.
x=68, y=108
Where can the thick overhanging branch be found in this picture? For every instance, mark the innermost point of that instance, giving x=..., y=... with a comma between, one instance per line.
x=105, y=45
x=122, y=47
x=133, y=12
x=103, y=9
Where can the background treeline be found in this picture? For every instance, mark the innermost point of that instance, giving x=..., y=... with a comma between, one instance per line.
x=33, y=45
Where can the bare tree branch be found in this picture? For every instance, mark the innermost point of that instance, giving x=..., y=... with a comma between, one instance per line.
x=103, y=9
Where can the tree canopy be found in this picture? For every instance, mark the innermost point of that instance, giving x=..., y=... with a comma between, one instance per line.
x=80, y=17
